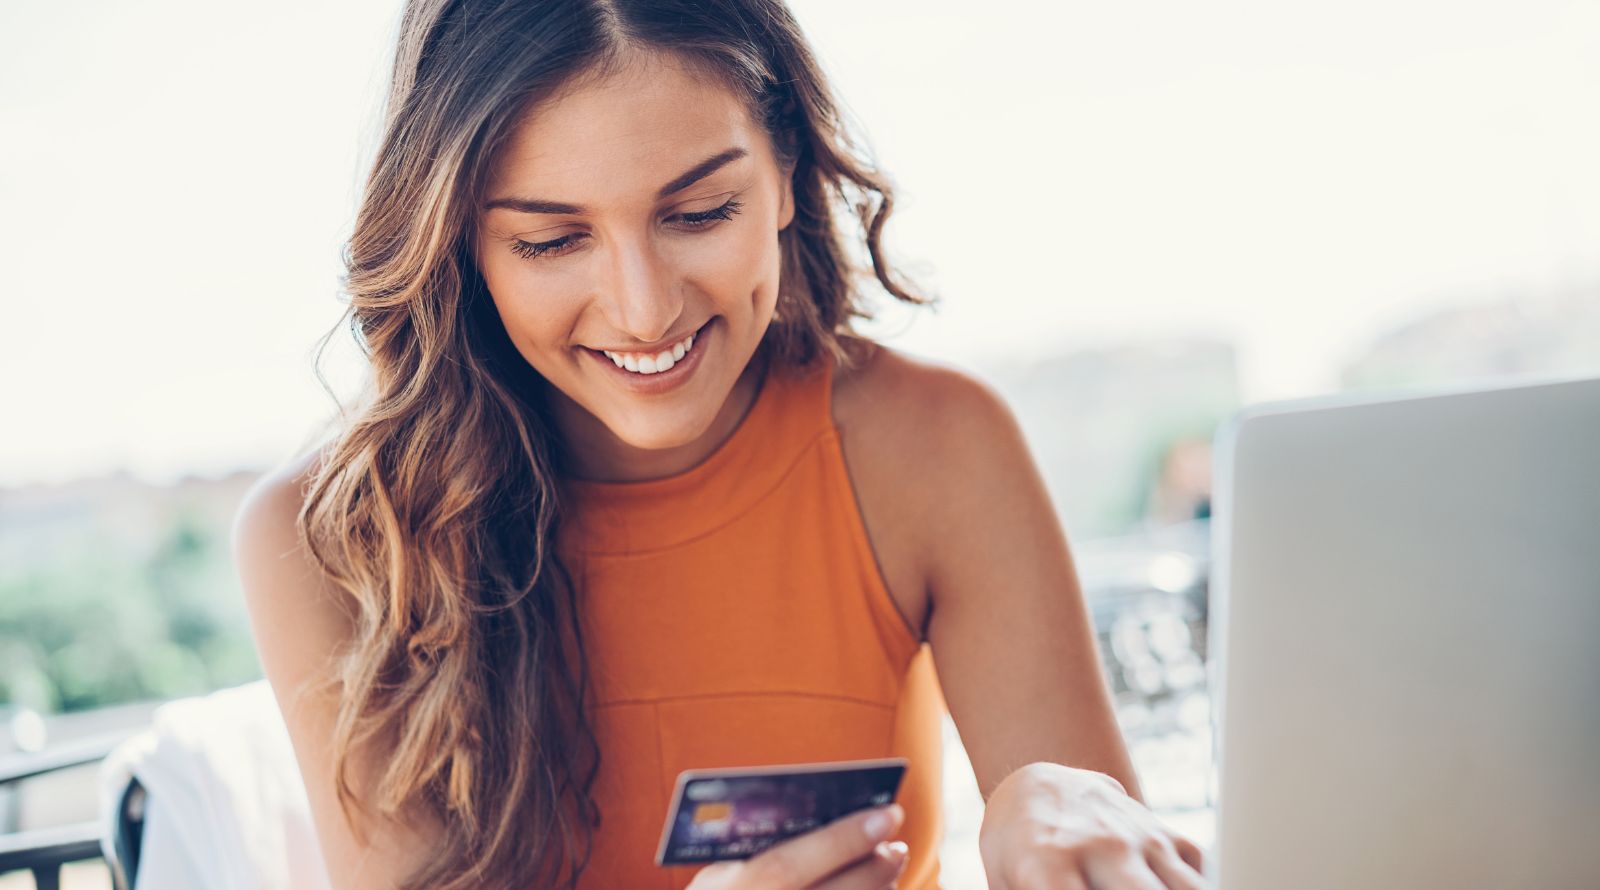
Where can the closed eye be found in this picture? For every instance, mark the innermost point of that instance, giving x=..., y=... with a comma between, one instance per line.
x=566, y=243
x=529, y=250
x=706, y=217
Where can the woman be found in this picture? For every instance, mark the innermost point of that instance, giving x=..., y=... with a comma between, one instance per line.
x=626, y=495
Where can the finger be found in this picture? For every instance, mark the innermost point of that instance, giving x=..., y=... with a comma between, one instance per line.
x=875, y=872
x=1175, y=873
x=1190, y=852
x=717, y=876
x=804, y=860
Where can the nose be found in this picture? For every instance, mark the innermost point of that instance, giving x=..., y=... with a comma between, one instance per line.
x=638, y=296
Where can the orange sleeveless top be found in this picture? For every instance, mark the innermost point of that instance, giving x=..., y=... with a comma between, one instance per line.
x=734, y=615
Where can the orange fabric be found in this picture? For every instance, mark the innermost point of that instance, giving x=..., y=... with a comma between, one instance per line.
x=734, y=615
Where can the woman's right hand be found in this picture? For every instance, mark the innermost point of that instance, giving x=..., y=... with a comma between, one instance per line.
x=847, y=854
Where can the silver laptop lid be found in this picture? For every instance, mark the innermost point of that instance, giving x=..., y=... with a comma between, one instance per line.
x=1406, y=640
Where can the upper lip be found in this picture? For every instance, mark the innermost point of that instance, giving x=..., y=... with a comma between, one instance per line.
x=661, y=346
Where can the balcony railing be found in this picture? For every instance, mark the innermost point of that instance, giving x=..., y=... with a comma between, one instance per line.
x=44, y=851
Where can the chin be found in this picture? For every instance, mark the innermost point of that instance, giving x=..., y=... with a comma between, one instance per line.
x=659, y=438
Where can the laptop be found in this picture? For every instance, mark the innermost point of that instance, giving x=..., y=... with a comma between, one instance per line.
x=1405, y=640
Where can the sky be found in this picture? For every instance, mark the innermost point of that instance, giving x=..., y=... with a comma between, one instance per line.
x=177, y=178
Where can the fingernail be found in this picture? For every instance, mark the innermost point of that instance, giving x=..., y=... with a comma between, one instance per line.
x=881, y=823
x=892, y=853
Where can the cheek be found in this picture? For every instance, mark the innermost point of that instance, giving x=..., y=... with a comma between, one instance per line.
x=537, y=310
x=734, y=265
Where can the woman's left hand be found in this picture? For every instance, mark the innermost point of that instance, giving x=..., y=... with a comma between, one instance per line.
x=1053, y=827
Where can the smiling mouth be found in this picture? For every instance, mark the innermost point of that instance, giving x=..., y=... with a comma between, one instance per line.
x=633, y=357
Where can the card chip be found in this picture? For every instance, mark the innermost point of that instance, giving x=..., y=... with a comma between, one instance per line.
x=712, y=812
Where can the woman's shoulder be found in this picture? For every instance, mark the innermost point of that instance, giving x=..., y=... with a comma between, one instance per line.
x=918, y=435
x=271, y=507
x=288, y=479
x=905, y=422
x=897, y=394
x=298, y=617
x=283, y=588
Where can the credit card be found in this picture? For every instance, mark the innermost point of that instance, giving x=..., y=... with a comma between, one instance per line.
x=718, y=814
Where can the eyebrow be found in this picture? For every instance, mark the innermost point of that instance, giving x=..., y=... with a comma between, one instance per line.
x=679, y=183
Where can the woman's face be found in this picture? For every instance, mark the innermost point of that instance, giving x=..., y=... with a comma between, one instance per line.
x=624, y=215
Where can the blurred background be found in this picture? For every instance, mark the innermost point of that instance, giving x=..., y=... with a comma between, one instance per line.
x=1139, y=217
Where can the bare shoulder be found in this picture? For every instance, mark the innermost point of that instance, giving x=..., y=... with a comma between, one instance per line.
x=919, y=407
x=273, y=566
x=911, y=430
x=282, y=586
x=275, y=498
x=300, y=620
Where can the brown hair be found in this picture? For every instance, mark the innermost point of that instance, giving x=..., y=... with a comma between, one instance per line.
x=435, y=506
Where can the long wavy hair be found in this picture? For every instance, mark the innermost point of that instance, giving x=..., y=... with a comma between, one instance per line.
x=434, y=506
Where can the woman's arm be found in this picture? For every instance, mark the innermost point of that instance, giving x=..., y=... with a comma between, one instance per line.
x=297, y=625
x=1008, y=624
x=1016, y=656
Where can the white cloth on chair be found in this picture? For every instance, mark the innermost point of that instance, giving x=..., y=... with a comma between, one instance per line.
x=225, y=807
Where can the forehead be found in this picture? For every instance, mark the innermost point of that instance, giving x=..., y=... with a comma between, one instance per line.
x=623, y=134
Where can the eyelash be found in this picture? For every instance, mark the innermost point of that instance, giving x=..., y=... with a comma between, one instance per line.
x=700, y=220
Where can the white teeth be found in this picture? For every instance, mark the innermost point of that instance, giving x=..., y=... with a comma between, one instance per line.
x=652, y=364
